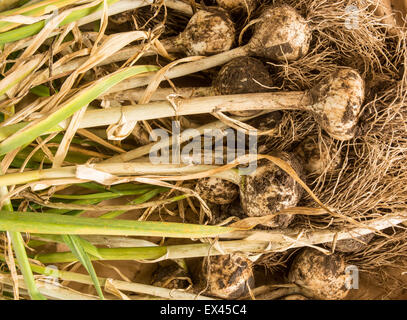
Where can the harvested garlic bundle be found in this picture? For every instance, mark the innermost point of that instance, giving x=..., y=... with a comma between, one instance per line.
x=335, y=103
x=281, y=34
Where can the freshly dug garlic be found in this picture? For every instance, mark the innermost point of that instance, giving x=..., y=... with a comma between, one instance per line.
x=335, y=104
x=265, y=191
x=228, y=276
x=217, y=191
x=319, y=276
x=282, y=34
x=208, y=32
x=269, y=189
x=242, y=75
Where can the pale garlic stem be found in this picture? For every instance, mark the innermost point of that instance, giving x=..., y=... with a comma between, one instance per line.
x=119, y=169
x=231, y=175
x=184, y=136
x=204, y=249
x=270, y=101
x=281, y=240
x=157, y=291
x=161, y=94
x=50, y=290
x=144, y=150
